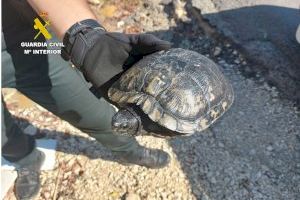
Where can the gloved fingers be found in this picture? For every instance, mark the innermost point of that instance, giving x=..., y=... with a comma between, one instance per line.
x=143, y=44
x=140, y=44
x=119, y=37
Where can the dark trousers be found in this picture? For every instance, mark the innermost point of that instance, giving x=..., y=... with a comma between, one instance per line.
x=54, y=84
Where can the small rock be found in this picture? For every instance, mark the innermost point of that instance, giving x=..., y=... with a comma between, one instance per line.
x=252, y=152
x=269, y=148
x=197, y=192
x=222, y=62
x=120, y=24
x=241, y=113
x=180, y=9
x=258, y=175
x=213, y=180
x=220, y=144
x=237, y=61
x=274, y=93
x=115, y=195
x=247, y=69
x=217, y=51
x=47, y=195
x=210, y=174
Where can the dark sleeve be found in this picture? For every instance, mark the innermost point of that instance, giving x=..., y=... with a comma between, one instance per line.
x=17, y=21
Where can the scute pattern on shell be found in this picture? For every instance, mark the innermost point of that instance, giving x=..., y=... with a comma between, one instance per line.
x=180, y=89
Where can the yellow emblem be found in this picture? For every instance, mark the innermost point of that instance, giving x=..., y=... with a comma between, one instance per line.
x=42, y=29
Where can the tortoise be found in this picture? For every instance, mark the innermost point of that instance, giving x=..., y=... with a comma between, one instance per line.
x=170, y=93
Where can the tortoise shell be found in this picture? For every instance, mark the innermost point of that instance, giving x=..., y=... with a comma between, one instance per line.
x=179, y=89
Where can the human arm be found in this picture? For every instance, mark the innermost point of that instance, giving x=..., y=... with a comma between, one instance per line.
x=100, y=55
x=63, y=14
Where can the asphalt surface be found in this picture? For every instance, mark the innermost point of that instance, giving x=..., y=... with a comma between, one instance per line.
x=266, y=31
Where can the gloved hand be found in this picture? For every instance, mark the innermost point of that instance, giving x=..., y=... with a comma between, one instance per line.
x=101, y=55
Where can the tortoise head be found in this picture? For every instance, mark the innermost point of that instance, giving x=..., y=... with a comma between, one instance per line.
x=132, y=121
x=126, y=122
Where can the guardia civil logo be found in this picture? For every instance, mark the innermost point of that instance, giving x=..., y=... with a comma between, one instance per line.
x=41, y=28
x=36, y=47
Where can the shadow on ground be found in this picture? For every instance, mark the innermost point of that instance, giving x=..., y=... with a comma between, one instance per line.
x=72, y=144
x=253, y=152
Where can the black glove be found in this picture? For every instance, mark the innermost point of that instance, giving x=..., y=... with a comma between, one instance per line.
x=101, y=55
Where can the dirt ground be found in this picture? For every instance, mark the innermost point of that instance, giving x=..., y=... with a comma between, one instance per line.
x=253, y=152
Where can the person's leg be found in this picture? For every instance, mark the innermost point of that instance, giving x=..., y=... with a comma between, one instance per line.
x=54, y=84
x=15, y=144
x=18, y=147
x=76, y=104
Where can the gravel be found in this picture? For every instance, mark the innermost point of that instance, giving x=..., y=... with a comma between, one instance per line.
x=252, y=152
